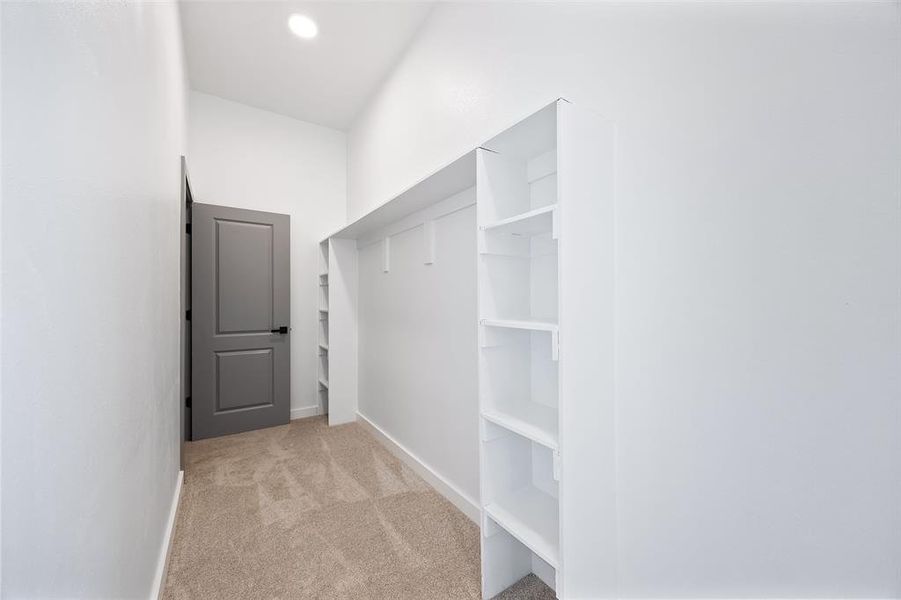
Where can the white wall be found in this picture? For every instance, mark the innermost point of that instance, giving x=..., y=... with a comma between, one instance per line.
x=418, y=377
x=1, y=313
x=93, y=127
x=758, y=265
x=249, y=158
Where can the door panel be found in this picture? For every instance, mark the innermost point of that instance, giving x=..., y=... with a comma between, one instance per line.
x=241, y=369
x=244, y=265
x=244, y=379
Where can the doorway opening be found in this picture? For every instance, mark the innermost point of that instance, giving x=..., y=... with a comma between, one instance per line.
x=184, y=396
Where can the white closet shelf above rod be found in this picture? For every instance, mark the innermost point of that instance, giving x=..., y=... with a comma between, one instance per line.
x=534, y=222
x=447, y=181
x=419, y=219
x=532, y=324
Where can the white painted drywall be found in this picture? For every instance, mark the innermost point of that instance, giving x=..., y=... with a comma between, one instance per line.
x=1, y=313
x=251, y=57
x=758, y=266
x=93, y=113
x=250, y=158
x=417, y=346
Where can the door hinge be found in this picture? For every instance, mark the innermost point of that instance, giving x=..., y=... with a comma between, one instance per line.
x=187, y=315
x=188, y=228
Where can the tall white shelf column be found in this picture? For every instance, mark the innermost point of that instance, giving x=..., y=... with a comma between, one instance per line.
x=342, y=330
x=545, y=268
x=323, y=347
x=337, y=382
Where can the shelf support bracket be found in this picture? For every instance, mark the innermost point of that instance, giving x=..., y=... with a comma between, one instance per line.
x=386, y=254
x=428, y=232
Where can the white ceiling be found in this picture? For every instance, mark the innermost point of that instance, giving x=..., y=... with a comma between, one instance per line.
x=243, y=51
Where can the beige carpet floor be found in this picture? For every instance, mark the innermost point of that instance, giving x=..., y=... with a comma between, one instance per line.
x=307, y=511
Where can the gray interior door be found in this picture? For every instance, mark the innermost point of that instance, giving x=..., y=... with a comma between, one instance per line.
x=239, y=320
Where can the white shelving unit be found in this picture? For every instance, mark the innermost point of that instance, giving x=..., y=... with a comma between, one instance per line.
x=531, y=420
x=529, y=324
x=417, y=207
x=531, y=223
x=337, y=381
x=545, y=222
x=530, y=515
x=545, y=274
x=322, y=385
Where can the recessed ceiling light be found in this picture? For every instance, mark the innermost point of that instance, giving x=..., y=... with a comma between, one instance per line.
x=303, y=26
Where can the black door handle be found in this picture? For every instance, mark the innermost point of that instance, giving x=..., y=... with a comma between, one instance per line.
x=282, y=329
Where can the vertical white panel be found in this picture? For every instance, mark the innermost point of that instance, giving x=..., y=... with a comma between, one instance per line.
x=428, y=235
x=502, y=184
x=323, y=257
x=544, y=572
x=543, y=278
x=585, y=151
x=342, y=331
x=504, y=559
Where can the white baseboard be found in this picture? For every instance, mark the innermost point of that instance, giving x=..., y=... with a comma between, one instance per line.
x=305, y=411
x=162, y=567
x=467, y=505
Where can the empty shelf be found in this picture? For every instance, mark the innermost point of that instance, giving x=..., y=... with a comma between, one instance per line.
x=530, y=516
x=534, y=222
x=534, y=421
x=533, y=324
